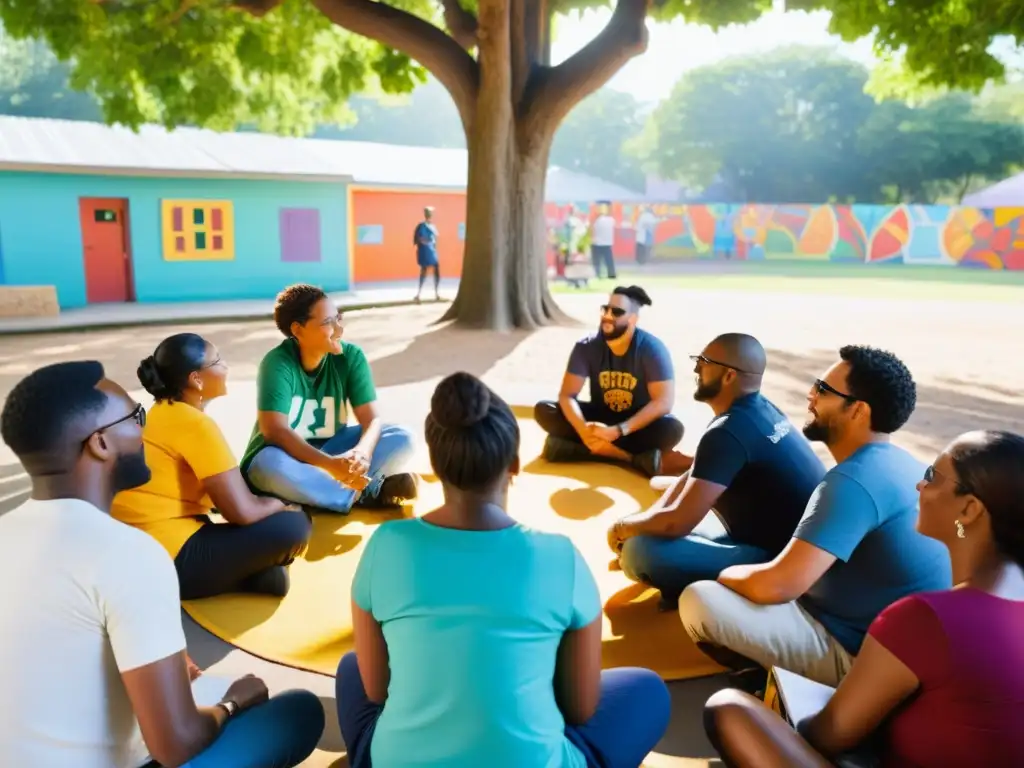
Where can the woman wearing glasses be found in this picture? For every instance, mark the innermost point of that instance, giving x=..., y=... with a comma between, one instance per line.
x=302, y=448
x=939, y=677
x=194, y=471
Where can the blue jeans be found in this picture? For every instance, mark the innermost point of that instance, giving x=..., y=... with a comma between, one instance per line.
x=671, y=565
x=631, y=717
x=280, y=733
x=275, y=472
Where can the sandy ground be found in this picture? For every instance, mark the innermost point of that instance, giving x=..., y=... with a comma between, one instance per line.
x=965, y=356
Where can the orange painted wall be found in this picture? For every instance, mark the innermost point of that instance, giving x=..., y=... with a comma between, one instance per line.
x=383, y=221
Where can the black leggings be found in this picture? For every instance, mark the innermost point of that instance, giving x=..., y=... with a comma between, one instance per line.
x=663, y=434
x=219, y=557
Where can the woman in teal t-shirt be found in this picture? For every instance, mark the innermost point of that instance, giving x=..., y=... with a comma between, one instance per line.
x=478, y=641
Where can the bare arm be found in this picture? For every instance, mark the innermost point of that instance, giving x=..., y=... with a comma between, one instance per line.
x=578, y=673
x=663, y=395
x=369, y=420
x=782, y=580
x=875, y=685
x=572, y=385
x=371, y=654
x=174, y=728
x=277, y=431
x=677, y=512
x=235, y=502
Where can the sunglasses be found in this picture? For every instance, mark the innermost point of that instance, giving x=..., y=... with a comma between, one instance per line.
x=932, y=475
x=615, y=311
x=823, y=387
x=704, y=360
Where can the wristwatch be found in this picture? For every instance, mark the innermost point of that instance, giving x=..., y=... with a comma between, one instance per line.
x=229, y=706
x=623, y=429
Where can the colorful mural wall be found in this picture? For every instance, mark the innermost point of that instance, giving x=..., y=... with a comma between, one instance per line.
x=904, y=234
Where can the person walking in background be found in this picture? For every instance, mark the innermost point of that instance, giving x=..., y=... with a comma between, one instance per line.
x=602, y=238
x=425, y=239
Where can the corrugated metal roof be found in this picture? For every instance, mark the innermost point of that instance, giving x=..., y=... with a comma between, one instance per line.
x=70, y=146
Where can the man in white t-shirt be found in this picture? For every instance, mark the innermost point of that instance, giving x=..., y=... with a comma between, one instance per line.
x=602, y=238
x=93, y=668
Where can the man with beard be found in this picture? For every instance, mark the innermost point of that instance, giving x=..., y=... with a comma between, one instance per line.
x=628, y=417
x=93, y=661
x=739, y=503
x=855, y=551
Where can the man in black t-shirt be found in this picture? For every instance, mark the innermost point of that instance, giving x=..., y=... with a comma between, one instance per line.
x=632, y=390
x=752, y=475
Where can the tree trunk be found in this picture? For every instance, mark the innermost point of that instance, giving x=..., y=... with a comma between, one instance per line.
x=510, y=101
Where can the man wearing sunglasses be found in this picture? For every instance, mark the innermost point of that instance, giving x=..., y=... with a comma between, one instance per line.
x=751, y=477
x=93, y=661
x=856, y=549
x=632, y=390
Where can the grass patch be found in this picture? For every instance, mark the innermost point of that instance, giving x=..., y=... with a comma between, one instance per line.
x=881, y=280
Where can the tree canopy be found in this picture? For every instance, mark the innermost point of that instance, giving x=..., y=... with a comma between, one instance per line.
x=796, y=126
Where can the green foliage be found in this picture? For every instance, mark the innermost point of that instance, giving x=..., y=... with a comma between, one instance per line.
x=796, y=126
x=205, y=63
x=936, y=43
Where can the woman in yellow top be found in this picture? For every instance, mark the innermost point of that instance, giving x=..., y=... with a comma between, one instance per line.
x=195, y=472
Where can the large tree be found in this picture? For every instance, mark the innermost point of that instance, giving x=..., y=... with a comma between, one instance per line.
x=287, y=64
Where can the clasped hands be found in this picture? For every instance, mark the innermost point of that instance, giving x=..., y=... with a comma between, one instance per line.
x=351, y=468
x=599, y=438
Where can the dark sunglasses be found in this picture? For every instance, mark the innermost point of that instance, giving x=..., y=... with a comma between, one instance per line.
x=703, y=360
x=823, y=387
x=932, y=475
x=616, y=311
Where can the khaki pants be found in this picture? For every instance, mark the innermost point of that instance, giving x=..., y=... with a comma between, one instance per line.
x=783, y=635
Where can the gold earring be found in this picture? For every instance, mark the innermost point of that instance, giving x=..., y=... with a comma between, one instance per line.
x=960, y=532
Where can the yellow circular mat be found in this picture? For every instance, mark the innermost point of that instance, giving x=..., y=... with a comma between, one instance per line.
x=311, y=628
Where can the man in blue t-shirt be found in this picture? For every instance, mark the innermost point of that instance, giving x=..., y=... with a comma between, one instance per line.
x=632, y=390
x=855, y=550
x=741, y=500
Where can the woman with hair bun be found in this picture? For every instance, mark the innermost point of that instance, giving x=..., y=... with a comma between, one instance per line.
x=478, y=640
x=939, y=680
x=194, y=472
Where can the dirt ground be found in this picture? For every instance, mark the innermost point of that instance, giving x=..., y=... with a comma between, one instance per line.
x=965, y=356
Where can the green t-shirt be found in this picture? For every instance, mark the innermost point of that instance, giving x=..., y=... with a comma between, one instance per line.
x=316, y=403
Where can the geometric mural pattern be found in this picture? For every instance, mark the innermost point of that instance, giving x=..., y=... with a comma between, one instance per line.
x=197, y=230
x=985, y=238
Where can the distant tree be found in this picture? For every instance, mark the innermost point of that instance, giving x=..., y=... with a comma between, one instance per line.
x=33, y=83
x=780, y=127
x=595, y=136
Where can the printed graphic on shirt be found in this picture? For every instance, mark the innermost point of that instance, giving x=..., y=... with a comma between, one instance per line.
x=312, y=419
x=782, y=429
x=617, y=388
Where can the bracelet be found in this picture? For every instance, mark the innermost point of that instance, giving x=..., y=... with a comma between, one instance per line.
x=623, y=428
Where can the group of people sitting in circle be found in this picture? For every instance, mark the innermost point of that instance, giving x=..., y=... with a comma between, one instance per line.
x=478, y=639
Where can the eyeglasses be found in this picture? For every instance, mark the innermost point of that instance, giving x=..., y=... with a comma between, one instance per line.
x=933, y=476
x=616, y=311
x=823, y=387
x=138, y=413
x=336, y=320
x=704, y=360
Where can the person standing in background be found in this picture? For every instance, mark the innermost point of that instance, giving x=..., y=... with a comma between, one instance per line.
x=645, y=226
x=602, y=237
x=425, y=240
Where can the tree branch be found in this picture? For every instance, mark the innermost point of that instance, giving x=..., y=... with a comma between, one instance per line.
x=404, y=32
x=460, y=22
x=554, y=91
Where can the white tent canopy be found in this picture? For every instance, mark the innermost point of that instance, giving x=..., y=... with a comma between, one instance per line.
x=1008, y=193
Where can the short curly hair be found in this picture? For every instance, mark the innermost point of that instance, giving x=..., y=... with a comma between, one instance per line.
x=295, y=305
x=884, y=382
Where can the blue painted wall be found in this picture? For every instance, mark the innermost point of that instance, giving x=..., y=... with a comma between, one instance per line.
x=42, y=238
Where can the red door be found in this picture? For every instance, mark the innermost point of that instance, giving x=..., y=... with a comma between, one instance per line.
x=105, y=249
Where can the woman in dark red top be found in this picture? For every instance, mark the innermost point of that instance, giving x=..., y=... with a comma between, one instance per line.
x=940, y=678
